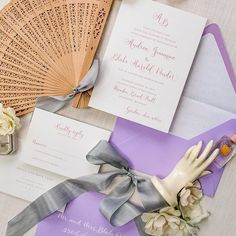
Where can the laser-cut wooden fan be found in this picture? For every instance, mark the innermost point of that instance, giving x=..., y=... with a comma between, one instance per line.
x=46, y=48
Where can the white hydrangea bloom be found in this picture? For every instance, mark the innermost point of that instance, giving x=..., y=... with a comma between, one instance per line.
x=189, y=203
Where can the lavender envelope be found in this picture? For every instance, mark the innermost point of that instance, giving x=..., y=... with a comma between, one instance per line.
x=157, y=153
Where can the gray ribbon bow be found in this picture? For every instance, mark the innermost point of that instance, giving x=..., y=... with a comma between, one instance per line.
x=115, y=207
x=54, y=104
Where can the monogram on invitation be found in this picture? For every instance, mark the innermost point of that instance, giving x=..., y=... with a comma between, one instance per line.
x=61, y=144
x=147, y=62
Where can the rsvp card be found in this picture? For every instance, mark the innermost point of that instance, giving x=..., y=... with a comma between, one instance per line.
x=60, y=145
x=147, y=62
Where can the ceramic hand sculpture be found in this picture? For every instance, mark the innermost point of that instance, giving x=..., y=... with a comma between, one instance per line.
x=188, y=169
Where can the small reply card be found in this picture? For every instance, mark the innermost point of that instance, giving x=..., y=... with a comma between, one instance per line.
x=147, y=62
x=60, y=145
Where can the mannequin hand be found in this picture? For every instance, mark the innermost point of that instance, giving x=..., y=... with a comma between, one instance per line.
x=188, y=169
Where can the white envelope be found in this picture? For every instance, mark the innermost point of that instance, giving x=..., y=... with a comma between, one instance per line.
x=209, y=97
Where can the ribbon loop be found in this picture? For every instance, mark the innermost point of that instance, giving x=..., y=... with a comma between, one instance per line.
x=104, y=153
x=111, y=204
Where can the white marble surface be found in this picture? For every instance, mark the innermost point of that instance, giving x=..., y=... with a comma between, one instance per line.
x=223, y=218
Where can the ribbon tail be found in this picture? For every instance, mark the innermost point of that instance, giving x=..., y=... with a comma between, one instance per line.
x=116, y=207
x=55, y=199
x=104, y=153
x=51, y=104
x=90, y=78
x=126, y=213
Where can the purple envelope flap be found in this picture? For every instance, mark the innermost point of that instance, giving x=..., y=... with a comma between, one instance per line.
x=156, y=153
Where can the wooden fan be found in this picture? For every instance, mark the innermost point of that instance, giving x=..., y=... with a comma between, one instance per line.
x=46, y=48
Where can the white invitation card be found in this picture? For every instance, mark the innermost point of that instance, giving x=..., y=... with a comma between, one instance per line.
x=60, y=145
x=147, y=61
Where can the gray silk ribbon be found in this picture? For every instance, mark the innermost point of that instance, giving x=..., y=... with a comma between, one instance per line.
x=54, y=104
x=115, y=207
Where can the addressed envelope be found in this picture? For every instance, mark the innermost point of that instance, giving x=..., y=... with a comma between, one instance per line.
x=78, y=220
x=204, y=105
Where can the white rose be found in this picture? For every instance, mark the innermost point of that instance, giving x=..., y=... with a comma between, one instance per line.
x=9, y=122
x=189, y=203
x=164, y=222
x=167, y=222
x=190, y=194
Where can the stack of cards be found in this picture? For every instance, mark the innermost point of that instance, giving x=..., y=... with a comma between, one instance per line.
x=46, y=48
